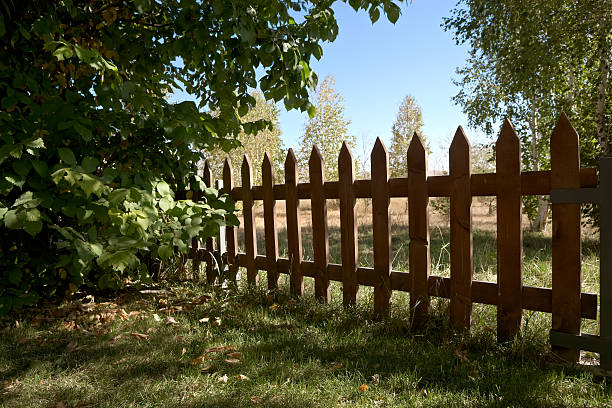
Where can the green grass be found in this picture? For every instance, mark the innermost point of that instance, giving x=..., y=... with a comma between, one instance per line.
x=295, y=352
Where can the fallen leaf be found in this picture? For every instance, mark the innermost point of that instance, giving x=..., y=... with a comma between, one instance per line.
x=222, y=379
x=204, y=320
x=242, y=377
x=235, y=354
x=123, y=315
x=151, y=330
x=179, y=338
x=140, y=336
x=183, y=351
x=336, y=367
x=363, y=387
x=274, y=306
x=376, y=378
x=218, y=349
x=232, y=361
x=206, y=368
x=201, y=299
x=217, y=322
x=156, y=317
x=199, y=360
x=123, y=360
x=171, y=322
x=255, y=400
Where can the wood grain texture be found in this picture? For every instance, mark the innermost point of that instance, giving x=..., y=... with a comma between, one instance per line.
x=461, y=262
x=250, y=233
x=418, y=230
x=566, y=240
x=271, y=236
x=509, y=234
x=348, y=226
x=294, y=233
x=381, y=229
x=320, y=240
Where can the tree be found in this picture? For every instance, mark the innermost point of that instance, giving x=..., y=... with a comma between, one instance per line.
x=409, y=120
x=255, y=145
x=327, y=130
x=531, y=60
x=91, y=150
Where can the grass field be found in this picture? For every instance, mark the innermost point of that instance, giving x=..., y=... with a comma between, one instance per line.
x=182, y=344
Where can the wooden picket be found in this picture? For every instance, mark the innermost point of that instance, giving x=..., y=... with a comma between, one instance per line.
x=320, y=240
x=509, y=233
x=566, y=240
x=250, y=233
x=348, y=226
x=271, y=236
x=565, y=300
x=381, y=229
x=294, y=233
x=210, y=245
x=418, y=230
x=461, y=263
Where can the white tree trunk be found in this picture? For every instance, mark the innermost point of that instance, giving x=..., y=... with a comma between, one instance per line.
x=539, y=222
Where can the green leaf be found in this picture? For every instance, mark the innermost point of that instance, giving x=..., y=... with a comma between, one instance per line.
x=33, y=227
x=41, y=168
x=14, y=219
x=165, y=251
x=83, y=131
x=67, y=156
x=164, y=189
x=393, y=12
x=89, y=164
x=22, y=167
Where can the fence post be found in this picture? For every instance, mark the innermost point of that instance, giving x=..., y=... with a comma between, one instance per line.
x=267, y=176
x=605, y=261
x=210, y=244
x=231, y=233
x=348, y=226
x=381, y=231
x=250, y=233
x=509, y=234
x=418, y=228
x=461, y=263
x=194, y=253
x=294, y=234
x=566, y=239
x=320, y=243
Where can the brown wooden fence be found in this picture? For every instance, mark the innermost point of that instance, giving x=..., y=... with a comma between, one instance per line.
x=565, y=300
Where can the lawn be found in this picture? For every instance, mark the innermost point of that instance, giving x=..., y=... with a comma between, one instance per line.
x=183, y=344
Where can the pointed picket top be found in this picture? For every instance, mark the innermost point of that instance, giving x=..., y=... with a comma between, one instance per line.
x=316, y=160
x=267, y=166
x=228, y=172
x=207, y=175
x=460, y=140
x=508, y=135
x=379, y=151
x=291, y=161
x=246, y=169
x=564, y=135
x=345, y=158
x=417, y=153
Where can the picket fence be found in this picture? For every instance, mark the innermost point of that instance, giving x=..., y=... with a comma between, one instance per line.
x=565, y=300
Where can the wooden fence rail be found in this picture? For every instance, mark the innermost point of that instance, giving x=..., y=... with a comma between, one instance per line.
x=567, y=303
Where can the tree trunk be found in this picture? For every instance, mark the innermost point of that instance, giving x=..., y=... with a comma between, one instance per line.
x=604, y=62
x=539, y=222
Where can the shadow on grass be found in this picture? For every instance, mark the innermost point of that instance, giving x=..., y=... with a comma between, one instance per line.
x=300, y=354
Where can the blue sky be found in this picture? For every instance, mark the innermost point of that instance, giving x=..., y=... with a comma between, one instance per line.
x=376, y=65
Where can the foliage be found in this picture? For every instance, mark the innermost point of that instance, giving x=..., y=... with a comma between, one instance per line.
x=254, y=145
x=326, y=130
x=92, y=150
x=531, y=60
x=409, y=120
